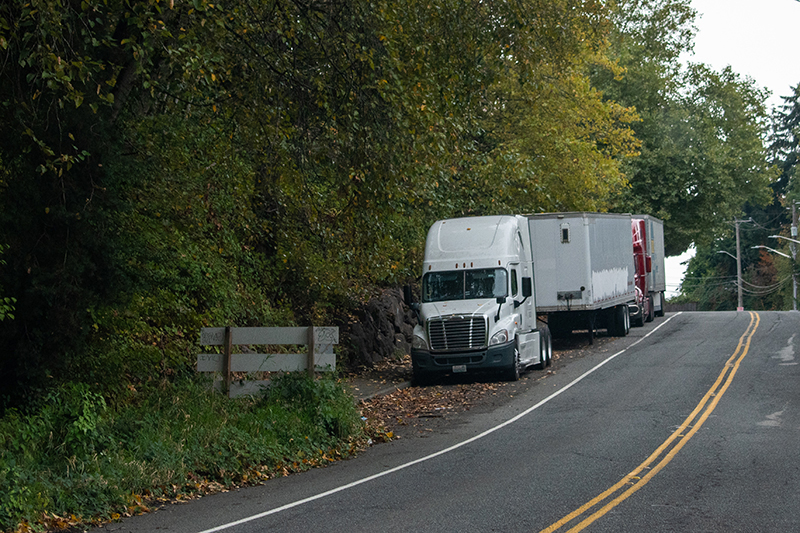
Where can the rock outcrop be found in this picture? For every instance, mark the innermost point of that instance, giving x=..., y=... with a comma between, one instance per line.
x=383, y=329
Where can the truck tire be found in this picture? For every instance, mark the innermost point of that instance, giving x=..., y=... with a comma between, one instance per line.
x=627, y=312
x=619, y=321
x=549, y=348
x=650, y=311
x=545, y=350
x=638, y=320
x=512, y=373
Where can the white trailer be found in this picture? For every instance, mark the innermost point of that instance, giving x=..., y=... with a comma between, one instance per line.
x=583, y=271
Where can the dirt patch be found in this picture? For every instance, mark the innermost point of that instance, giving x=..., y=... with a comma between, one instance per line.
x=417, y=411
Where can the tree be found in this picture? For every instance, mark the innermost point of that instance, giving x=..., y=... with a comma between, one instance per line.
x=702, y=131
x=711, y=278
x=785, y=142
x=767, y=282
x=173, y=165
x=74, y=75
x=553, y=143
x=64, y=71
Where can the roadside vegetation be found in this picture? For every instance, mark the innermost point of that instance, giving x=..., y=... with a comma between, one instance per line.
x=75, y=458
x=167, y=166
x=769, y=267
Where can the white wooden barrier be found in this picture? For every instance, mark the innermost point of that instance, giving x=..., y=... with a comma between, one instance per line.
x=318, y=357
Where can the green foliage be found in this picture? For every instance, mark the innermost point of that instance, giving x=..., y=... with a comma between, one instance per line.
x=317, y=401
x=702, y=132
x=62, y=435
x=267, y=163
x=767, y=276
x=556, y=144
x=711, y=278
x=75, y=455
x=785, y=143
x=63, y=64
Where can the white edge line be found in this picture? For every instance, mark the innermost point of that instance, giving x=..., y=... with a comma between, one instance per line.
x=440, y=452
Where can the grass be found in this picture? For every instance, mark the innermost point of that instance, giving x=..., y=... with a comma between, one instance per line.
x=74, y=459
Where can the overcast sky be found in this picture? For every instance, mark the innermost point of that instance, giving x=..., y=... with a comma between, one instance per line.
x=757, y=38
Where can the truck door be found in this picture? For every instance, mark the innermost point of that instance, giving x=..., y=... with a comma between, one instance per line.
x=524, y=306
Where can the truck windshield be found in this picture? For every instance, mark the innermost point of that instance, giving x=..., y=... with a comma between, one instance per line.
x=464, y=285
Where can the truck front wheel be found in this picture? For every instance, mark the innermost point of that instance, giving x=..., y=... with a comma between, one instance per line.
x=638, y=320
x=512, y=373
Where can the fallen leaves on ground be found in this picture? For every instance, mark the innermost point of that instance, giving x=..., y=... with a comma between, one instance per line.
x=405, y=406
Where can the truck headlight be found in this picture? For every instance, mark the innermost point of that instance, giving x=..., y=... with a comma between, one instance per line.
x=418, y=343
x=501, y=337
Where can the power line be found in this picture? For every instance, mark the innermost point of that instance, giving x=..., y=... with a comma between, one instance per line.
x=710, y=277
x=768, y=292
x=768, y=286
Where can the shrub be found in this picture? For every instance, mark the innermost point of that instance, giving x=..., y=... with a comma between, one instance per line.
x=75, y=455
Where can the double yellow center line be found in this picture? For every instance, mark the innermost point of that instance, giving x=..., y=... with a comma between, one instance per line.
x=669, y=449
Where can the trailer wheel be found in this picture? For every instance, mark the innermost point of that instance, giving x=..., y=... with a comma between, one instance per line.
x=620, y=321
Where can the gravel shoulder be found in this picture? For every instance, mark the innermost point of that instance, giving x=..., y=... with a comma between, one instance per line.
x=388, y=400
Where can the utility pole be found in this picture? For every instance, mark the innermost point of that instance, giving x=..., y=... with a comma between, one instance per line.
x=794, y=244
x=736, y=221
x=740, y=307
x=793, y=248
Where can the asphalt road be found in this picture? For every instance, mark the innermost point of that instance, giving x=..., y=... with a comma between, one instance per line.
x=689, y=424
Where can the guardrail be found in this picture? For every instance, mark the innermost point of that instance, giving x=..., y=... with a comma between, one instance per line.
x=319, y=355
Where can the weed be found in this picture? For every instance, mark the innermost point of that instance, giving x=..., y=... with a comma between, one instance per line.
x=74, y=455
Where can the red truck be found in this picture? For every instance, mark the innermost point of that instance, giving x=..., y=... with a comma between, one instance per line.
x=649, y=276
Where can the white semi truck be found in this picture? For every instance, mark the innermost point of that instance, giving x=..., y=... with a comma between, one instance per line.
x=494, y=287
x=477, y=311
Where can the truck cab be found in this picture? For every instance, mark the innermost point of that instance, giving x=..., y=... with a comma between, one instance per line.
x=477, y=309
x=648, y=257
x=643, y=310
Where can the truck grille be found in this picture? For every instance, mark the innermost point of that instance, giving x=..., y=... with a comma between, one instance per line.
x=457, y=333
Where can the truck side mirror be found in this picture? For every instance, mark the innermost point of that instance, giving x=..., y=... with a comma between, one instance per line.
x=500, y=301
x=527, y=291
x=527, y=287
x=648, y=260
